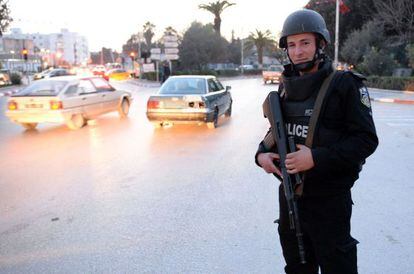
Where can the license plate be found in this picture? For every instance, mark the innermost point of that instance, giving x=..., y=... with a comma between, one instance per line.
x=34, y=105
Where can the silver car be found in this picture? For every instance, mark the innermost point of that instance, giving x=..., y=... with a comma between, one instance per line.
x=66, y=99
x=190, y=99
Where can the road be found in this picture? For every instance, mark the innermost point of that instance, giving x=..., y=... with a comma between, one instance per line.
x=119, y=196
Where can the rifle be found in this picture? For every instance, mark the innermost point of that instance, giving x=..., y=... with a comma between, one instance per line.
x=273, y=112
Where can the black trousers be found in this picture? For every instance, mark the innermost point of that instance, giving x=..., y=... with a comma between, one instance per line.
x=325, y=223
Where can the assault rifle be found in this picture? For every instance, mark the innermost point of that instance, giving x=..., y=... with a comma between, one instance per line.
x=277, y=135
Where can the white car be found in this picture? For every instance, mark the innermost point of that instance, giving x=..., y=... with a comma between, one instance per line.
x=68, y=99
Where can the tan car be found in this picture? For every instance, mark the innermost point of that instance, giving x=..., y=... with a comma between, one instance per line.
x=273, y=74
x=68, y=99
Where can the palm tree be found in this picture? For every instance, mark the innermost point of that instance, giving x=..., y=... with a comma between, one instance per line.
x=170, y=31
x=262, y=41
x=148, y=33
x=216, y=8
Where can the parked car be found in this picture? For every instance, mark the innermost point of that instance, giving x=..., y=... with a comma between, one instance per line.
x=272, y=74
x=51, y=73
x=186, y=99
x=99, y=70
x=117, y=74
x=5, y=77
x=70, y=99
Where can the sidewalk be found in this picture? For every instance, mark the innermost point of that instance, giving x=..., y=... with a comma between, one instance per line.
x=391, y=96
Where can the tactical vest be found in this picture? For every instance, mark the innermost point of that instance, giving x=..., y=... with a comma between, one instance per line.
x=297, y=115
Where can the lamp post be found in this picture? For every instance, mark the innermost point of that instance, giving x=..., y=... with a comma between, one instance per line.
x=336, y=33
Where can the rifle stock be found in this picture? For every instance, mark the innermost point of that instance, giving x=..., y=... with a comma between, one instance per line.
x=273, y=112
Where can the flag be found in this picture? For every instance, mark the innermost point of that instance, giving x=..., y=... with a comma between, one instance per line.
x=343, y=8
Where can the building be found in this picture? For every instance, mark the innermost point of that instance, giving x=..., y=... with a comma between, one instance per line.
x=55, y=49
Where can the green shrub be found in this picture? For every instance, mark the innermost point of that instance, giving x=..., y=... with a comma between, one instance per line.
x=389, y=82
x=252, y=72
x=15, y=78
x=195, y=72
x=228, y=72
x=152, y=76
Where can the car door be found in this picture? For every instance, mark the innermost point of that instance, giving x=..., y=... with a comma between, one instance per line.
x=89, y=99
x=109, y=95
x=225, y=97
x=216, y=93
x=212, y=95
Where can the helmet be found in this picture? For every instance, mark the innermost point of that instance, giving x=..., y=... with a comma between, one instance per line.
x=302, y=21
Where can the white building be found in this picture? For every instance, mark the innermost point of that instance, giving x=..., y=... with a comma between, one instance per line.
x=53, y=49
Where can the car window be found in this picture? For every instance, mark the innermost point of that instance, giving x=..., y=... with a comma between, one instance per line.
x=71, y=90
x=101, y=85
x=43, y=88
x=85, y=86
x=218, y=84
x=212, y=87
x=183, y=86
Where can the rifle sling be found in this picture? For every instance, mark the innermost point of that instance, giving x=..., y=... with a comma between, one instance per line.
x=317, y=109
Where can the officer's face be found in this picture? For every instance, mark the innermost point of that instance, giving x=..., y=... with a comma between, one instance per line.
x=301, y=47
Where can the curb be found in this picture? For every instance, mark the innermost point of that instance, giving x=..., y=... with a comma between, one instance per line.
x=394, y=101
x=143, y=84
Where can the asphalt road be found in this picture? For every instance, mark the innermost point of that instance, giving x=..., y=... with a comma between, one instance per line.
x=119, y=196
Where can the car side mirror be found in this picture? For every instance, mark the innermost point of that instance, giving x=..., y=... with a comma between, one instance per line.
x=228, y=88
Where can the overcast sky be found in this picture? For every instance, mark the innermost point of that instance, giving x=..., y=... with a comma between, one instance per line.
x=111, y=23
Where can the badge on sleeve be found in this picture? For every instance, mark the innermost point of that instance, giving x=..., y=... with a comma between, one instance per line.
x=365, y=96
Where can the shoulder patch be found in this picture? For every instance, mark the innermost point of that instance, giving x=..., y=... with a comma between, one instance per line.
x=364, y=95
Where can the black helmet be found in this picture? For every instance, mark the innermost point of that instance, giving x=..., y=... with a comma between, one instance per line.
x=302, y=21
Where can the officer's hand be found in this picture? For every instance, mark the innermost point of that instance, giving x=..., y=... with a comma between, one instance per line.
x=265, y=160
x=300, y=160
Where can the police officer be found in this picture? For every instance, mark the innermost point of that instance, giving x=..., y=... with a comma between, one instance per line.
x=343, y=138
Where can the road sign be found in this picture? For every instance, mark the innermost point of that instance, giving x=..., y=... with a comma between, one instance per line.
x=170, y=38
x=169, y=51
x=170, y=44
x=156, y=56
x=148, y=67
x=171, y=56
x=155, y=51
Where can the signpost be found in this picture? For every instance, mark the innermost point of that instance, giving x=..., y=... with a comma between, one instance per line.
x=171, y=48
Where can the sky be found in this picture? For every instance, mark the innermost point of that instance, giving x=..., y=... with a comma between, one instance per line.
x=110, y=23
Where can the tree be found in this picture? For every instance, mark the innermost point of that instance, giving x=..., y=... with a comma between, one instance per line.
x=262, y=41
x=216, y=8
x=360, y=12
x=170, y=31
x=377, y=62
x=131, y=45
x=5, y=18
x=202, y=45
x=398, y=19
x=148, y=34
x=234, y=51
x=410, y=54
x=360, y=42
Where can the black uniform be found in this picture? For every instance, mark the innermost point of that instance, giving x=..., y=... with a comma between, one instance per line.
x=344, y=137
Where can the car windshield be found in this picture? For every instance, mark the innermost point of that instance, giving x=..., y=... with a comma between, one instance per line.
x=278, y=69
x=184, y=86
x=43, y=88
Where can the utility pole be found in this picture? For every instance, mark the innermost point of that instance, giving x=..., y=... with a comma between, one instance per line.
x=336, y=33
x=242, y=56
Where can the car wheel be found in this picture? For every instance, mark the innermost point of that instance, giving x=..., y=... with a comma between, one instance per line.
x=228, y=111
x=157, y=124
x=214, y=123
x=76, y=121
x=123, y=109
x=29, y=126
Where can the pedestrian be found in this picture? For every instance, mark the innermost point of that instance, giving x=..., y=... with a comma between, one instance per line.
x=343, y=137
x=166, y=72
